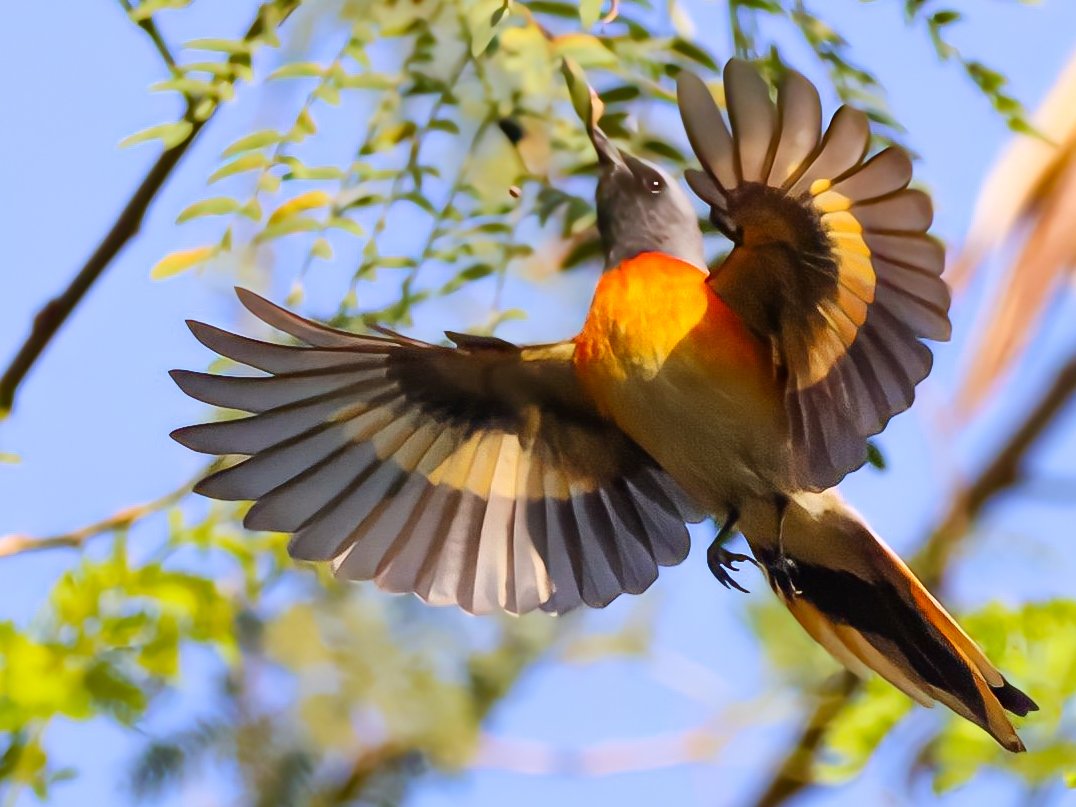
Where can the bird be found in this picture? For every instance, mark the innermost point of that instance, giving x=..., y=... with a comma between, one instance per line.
x=494, y=476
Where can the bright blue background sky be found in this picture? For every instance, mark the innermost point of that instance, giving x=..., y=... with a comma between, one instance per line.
x=92, y=420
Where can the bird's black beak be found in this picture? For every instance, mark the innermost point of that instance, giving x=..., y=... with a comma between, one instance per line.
x=609, y=156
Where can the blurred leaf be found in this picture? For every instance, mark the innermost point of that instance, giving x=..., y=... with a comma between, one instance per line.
x=233, y=47
x=589, y=12
x=170, y=134
x=255, y=140
x=588, y=51
x=297, y=70
x=288, y=226
x=180, y=261
x=875, y=456
x=245, y=162
x=216, y=206
x=311, y=200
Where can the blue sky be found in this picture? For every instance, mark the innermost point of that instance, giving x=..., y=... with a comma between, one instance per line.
x=92, y=420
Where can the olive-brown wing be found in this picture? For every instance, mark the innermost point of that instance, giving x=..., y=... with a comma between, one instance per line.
x=831, y=260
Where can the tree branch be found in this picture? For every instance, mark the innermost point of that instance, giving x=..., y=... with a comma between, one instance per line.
x=56, y=311
x=20, y=543
x=793, y=774
x=150, y=27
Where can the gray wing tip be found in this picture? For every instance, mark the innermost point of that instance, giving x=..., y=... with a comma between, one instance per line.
x=198, y=386
x=740, y=70
x=688, y=82
x=183, y=379
x=188, y=437
x=186, y=381
x=256, y=304
x=205, y=333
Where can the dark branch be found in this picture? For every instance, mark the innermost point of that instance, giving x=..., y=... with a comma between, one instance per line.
x=56, y=311
x=794, y=773
x=150, y=27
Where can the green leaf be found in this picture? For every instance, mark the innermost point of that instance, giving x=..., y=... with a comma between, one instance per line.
x=875, y=456
x=245, y=162
x=298, y=171
x=347, y=225
x=328, y=92
x=625, y=92
x=366, y=81
x=192, y=87
x=483, y=18
x=589, y=12
x=444, y=125
x=390, y=136
x=170, y=134
x=224, y=71
x=694, y=53
x=396, y=262
x=311, y=200
x=251, y=210
x=322, y=249
x=216, y=206
x=304, y=126
x=473, y=272
x=233, y=47
x=566, y=10
x=419, y=200
x=255, y=140
x=660, y=148
x=288, y=226
x=180, y=261
x=588, y=50
x=941, y=18
x=298, y=70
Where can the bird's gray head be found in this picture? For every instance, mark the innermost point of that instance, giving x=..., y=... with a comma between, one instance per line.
x=642, y=209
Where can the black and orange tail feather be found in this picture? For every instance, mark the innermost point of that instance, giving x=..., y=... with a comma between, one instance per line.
x=860, y=601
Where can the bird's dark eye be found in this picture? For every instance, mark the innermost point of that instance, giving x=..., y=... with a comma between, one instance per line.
x=655, y=185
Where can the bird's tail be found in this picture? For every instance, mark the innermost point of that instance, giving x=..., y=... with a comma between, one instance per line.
x=860, y=601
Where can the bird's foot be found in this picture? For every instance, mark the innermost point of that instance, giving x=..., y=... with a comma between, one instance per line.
x=783, y=574
x=721, y=562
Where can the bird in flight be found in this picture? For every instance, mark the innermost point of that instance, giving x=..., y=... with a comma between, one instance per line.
x=494, y=476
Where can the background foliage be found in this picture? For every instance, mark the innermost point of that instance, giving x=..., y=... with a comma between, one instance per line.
x=467, y=167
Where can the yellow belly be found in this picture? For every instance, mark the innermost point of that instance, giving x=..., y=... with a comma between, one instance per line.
x=666, y=360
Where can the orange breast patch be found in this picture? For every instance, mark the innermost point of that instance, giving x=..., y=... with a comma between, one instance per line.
x=653, y=305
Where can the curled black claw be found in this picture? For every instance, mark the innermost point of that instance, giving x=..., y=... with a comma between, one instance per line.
x=783, y=573
x=721, y=562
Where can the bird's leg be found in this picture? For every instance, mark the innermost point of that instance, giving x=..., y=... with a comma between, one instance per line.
x=783, y=568
x=720, y=560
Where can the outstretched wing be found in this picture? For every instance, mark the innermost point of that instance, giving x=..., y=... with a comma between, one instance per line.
x=478, y=475
x=831, y=258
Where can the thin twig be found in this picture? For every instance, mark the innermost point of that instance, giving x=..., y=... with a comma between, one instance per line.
x=21, y=544
x=794, y=773
x=56, y=311
x=150, y=27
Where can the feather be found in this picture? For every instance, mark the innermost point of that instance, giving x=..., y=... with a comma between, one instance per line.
x=831, y=262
